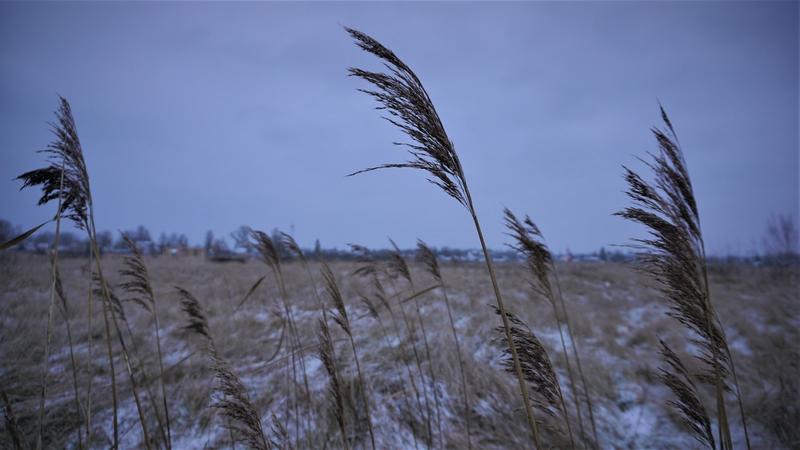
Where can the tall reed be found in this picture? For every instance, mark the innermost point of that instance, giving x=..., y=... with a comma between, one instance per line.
x=402, y=94
x=243, y=420
x=73, y=364
x=428, y=258
x=327, y=355
x=674, y=255
x=48, y=329
x=529, y=242
x=341, y=318
x=545, y=390
x=373, y=312
x=270, y=252
x=113, y=307
x=66, y=178
x=137, y=283
x=370, y=268
x=398, y=266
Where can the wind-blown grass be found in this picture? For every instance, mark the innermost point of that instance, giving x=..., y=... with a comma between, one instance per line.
x=234, y=403
x=397, y=266
x=341, y=318
x=674, y=255
x=403, y=96
x=529, y=242
x=428, y=258
x=137, y=283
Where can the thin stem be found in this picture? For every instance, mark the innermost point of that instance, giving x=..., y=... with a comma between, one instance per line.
x=430, y=366
x=297, y=344
x=48, y=332
x=388, y=342
x=506, y=327
x=418, y=361
x=106, y=308
x=90, y=360
x=365, y=390
x=589, y=403
x=467, y=409
x=570, y=376
x=722, y=416
x=161, y=377
x=78, y=408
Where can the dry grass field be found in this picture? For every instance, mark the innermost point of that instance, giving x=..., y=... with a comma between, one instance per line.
x=616, y=313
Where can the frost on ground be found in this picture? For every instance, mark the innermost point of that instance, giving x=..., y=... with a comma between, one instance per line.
x=617, y=317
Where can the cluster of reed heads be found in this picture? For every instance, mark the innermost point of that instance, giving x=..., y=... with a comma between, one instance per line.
x=673, y=255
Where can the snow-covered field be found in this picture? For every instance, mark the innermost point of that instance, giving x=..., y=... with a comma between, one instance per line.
x=617, y=316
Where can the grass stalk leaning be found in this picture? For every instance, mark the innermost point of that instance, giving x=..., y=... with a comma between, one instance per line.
x=370, y=268
x=402, y=94
x=137, y=283
x=428, y=257
x=398, y=267
x=73, y=363
x=239, y=414
x=270, y=251
x=48, y=329
x=674, y=255
x=341, y=318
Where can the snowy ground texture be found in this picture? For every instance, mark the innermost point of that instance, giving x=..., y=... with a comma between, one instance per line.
x=616, y=313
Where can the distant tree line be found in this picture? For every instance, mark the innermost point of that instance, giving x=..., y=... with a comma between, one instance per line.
x=779, y=246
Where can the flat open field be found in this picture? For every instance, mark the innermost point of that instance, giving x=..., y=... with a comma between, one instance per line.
x=616, y=313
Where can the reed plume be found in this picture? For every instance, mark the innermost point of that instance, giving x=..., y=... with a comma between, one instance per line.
x=677, y=378
x=341, y=319
x=270, y=251
x=66, y=178
x=137, y=283
x=543, y=383
x=428, y=258
x=402, y=95
x=529, y=242
x=674, y=256
x=233, y=402
x=327, y=354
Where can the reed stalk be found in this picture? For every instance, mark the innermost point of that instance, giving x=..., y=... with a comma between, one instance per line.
x=341, y=319
x=428, y=257
x=74, y=365
x=327, y=354
x=529, y=242
x=137, y=283
x=241, y=417
x=674, y=255
x=369, y=268
x=48, y=330
x=67, y=179
x=402, y=94
x=589, y=402
x=373, y=312
x=270, y=252
x=398, y=267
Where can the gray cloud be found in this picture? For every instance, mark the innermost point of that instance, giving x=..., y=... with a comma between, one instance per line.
x=199, y=116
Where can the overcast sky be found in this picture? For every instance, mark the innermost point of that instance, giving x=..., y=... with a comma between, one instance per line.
x=198, y=116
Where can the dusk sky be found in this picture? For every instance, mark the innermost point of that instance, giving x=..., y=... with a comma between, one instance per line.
x=198, y=116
